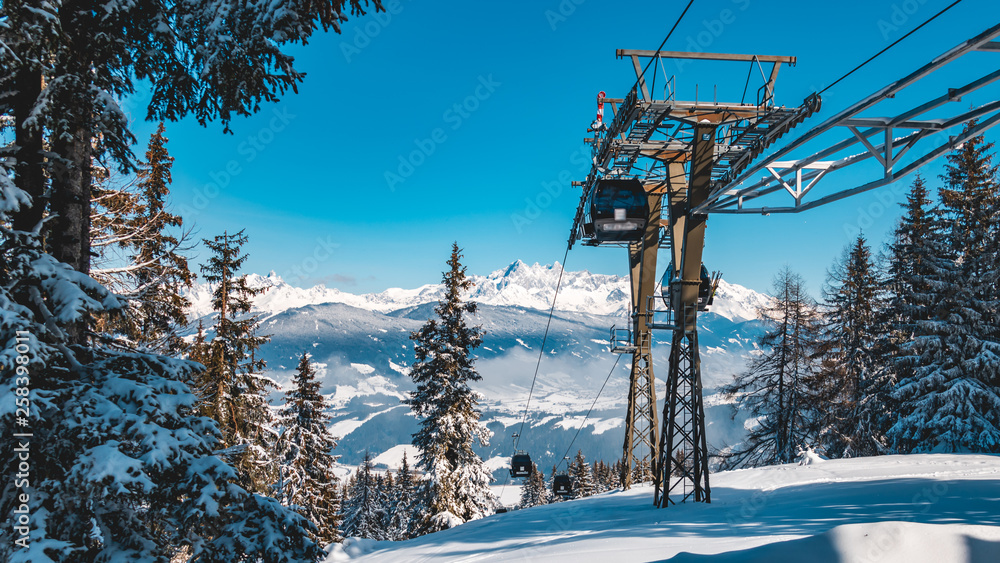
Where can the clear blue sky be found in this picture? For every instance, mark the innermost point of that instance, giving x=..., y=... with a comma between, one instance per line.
x=307, y=178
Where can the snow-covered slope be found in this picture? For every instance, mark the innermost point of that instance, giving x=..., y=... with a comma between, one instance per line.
x=892, y=509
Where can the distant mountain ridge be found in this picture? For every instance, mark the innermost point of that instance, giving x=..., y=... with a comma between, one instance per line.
x=518, y=285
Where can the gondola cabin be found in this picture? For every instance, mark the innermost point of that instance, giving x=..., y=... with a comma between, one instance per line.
x=616, y=212
x=520, y=465
x=562, y=485
x=705, y=289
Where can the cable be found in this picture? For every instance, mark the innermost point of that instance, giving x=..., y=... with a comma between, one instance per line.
x=891, y=45
x=676, y=23
x=541, y=350
x=538, y=364
x=578, y=430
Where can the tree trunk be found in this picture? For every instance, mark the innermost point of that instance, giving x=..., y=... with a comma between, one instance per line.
x=30, y=175
x=69, y=238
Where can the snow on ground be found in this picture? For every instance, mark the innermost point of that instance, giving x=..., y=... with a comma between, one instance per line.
x=363, y=369
x=600, y=426
x=509, y=494
x=342, y=428
x=939, y=508
x=393, y=457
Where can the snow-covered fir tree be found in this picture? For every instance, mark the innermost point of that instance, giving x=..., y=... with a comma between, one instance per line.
x=401, y=503
x=139, y=253
x=582, y=476
x=909, y=259
x=604, y=479
x=776, y=386
x=234, y=391
x=534, y=491
x=851, y=385
x=121, y=466
x=948, y=397
x=641, y=472
x=305, y=451
x=364, y=505
x=456, y=484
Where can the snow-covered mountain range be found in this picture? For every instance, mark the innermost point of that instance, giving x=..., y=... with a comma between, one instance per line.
x=517, y=285
x=362, y=349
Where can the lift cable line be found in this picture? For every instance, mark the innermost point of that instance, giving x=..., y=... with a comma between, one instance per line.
x=664, y=42
x=891, y=45
x=541, y=351
x=584, y=423
x=661, y=166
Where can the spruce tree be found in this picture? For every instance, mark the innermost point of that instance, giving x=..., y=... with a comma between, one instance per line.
x=580, y=473
x=364, y=505
x=777, y=389
x=305, y=451
x=233, y=389
x=401, y=503
x=534, y=492
x=456, y=487
x=139, y=253
x=909, y=298
x=163, y=269
x=122, y=467
x=949, y=401
x=854, y=393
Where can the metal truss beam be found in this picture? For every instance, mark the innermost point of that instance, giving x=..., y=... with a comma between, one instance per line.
x=736, y=187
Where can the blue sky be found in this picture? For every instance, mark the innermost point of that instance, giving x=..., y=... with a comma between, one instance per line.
x=489, y=103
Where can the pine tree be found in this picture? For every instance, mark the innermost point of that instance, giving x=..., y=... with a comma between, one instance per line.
x=68, y=62
x=121, y=467
x=618, y=471
x=307, y=479
x=580, y=473
x=534, y=491
x=641, y=472
x=776, y=386
x=909, y=299
x=233, y=390
x=133, y=223
x=948, y=398
x=401, y=503
x=364, y=505
x=456, y=487
x=852, y=421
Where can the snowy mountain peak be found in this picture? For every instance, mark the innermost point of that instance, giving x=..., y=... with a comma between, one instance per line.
x=518, y=285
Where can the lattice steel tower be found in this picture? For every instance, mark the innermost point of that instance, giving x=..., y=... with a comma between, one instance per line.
x=661, y=166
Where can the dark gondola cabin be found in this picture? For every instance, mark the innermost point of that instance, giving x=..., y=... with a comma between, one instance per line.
x=617, y=212
x=520, y=465
x=704, y=289
x=562, y=485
